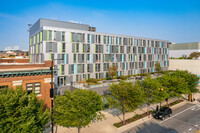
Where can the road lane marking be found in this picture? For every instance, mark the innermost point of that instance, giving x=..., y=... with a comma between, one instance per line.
x=190, y=129
x=196, y=125
x=197, y=109
x=177, y=114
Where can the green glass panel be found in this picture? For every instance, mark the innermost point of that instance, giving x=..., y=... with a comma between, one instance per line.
x=47, y=35
x=40, y=36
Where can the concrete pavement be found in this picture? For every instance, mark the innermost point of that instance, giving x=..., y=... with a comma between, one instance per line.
x=106, y=126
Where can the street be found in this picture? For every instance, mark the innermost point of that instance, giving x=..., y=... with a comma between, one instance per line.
x=185, y=119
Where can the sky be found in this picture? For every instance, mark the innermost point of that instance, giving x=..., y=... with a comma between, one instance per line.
x=173, y=20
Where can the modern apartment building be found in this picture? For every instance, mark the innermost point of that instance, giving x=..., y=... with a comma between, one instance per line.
x=88, y=54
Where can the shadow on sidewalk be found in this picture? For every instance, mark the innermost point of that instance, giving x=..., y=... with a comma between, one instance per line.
x=114, y=112
x=152, y=128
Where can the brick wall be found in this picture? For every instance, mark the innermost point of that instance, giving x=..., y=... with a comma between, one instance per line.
x=14, y=60
x=45, y=87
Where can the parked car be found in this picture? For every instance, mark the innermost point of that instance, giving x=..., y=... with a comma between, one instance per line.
x=162, y=113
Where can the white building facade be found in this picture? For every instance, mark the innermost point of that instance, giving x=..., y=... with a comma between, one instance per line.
x=88, y=54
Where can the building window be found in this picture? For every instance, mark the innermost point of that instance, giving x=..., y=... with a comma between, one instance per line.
x=51, y=47
x=79, y=68
x=63, y=36
x=36, y=87
x=73, y=37
x=63, y=58
x=63, y=47
x=74, y=58
x=3, y=87
x=62, y=70
x=104, y=39
x=54, y=36
x=50, y=35
x=52, y=56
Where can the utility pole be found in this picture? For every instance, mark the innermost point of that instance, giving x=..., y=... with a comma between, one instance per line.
x=52, y=92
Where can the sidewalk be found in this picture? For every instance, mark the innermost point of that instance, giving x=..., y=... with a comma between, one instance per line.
x=106, y=126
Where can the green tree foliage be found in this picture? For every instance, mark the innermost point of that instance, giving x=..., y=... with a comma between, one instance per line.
x=176, y=86
x=20, y=112
x=157, y=67
x=190, y=79
x=78, y=108
x=151, y=90
x=125, y=97
x=195, y=55
x=112, y=71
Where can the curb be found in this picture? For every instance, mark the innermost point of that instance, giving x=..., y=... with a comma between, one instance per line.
x=178, y=105
x=133, y=124
x=145, y=119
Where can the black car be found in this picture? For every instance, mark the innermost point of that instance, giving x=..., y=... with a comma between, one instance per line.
x=162, y=113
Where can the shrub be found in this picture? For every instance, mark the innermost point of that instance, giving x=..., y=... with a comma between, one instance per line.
x=92, y=80
x=108, y=78
x=122, y=77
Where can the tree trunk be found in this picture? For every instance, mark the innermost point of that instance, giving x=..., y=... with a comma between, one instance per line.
x=124, y=118
x=160, y=105
x=178, y=99
x=79, y=130
x=148, y=110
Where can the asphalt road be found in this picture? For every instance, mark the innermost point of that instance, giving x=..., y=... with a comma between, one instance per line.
x=185, y=119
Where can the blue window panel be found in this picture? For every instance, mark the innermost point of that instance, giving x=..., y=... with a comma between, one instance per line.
x=118, y=40
x=125, y=66
x=160, y=63
x=145, y=50
x=65, y=58
x=165, y=57
x=167, y=51
x=153, y=51
x=109, y=40
x=160, y=44
x=118, y=74
x=74, y=68
x=166, y=63
x=108, y=49
x=113, y=58
x=135, y=42
x=90, y=38
x=132, y=57
x=90, y=58
x=152, y=69
x=135, y=72
x=145, y=64
x=122, y=57
x=156, y=57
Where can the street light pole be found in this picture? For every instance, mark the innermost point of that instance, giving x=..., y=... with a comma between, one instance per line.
x=52, y=92
x=52, y=95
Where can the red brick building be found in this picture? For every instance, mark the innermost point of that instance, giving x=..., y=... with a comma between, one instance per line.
x=32, y=77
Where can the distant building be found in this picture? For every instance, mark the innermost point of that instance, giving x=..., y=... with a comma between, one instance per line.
x=183, y=49
x=32, y=77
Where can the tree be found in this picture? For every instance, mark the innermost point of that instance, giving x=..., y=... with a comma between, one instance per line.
x=151, y=90
x=190, y=79
x=175, y=85
x=112, y=71
x=125, y=97
x=194, y=55
x=20, y=112
x=162, y=93
x=157, y=67
x=78, y=108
